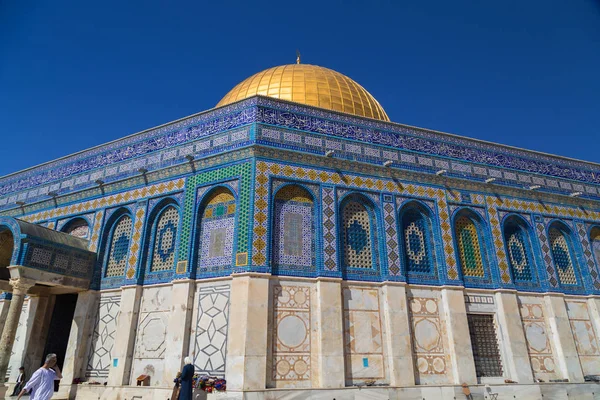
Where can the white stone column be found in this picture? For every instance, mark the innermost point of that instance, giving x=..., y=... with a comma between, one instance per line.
x=38, y=321
x=246, y=365
x=4, y=306
x=125, y=335
x=459, y=339
x=81, y=332
x=398, y=338
x=510, y=327
x=20, y=288
x=330, y=328
x=562, y=339
x=178, y=330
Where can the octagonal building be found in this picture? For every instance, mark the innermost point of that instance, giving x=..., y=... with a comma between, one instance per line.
x=296, y=242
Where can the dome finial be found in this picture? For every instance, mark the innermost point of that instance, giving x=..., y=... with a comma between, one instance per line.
x=297, y=56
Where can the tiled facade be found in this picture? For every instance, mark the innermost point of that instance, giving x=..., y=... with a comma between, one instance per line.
x=246, y=190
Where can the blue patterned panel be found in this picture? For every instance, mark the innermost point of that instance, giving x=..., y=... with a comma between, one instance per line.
x=119, y=247
x=165, y=240
x=416, y=242
x=561, y=253
x=217, y=231
x=519, y=253
x=469, y=248
x=595, y=240
x=356, y=225
x=293, y=235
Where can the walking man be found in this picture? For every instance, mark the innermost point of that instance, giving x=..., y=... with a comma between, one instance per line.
x=41, y=383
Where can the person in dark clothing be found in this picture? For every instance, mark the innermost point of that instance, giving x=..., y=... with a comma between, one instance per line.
x=20, y=382
x=187, y=376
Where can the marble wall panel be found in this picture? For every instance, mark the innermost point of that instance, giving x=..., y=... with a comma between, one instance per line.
x=363, y=336
x=428, y=339
x=208, y=341
x=103, y=337
x=291, y=336
x=538, y=339
x=584, y=335
x=150, y=341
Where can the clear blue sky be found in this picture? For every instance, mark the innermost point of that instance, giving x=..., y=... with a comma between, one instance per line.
x=74, y=74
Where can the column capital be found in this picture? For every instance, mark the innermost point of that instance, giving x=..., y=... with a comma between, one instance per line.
x=21, y=285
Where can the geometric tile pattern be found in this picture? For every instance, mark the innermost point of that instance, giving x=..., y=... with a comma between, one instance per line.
x=562, y=255
x=417, y=242
x=291, y=336
x=261, y=204
x=293, y=233
x=134, y=250
x=165, y=238
x=427, y=336
x=97, y=224
x=356, y=230
x=265, y=169
x=545, y=246
x=591, y=251
x=519, y=251
x=498, y=241
x=217, y=230
x=538, y=343
x=209, y=344
x=391, y=239
x=103, y=338
x=119, y=247
x=469, y=247
x=107, y=201
x=240, y=171
x=329, y=230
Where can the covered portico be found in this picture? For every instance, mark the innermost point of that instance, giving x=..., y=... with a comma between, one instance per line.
x=38, y=262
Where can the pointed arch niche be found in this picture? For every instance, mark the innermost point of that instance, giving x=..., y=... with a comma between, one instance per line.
x=216, y=231
x=517, y=241
x=417, y=242
x=293, y=230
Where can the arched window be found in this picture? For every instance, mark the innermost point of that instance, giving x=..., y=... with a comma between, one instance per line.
x=416, y=240
x=165, y=240
x=357, y=235
x=595, y=243
x=518, y=250
x=217, y=227
x=470, y=249
x=119, y=246
x=562, y=253
x=293, y=233
x=77, y=227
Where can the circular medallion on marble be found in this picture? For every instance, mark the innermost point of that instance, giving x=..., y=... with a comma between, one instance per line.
x=291, y=331
x=431, y=306
x=439, y=365
x=422, y=365
x=535, y=364
x=549, y=364
x=283, y=367
x=300, y=297
x=415, y=305
x=300, y=367
x=537, y=311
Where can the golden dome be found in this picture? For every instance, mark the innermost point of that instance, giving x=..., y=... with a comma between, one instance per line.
x=311, y=85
